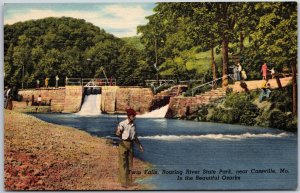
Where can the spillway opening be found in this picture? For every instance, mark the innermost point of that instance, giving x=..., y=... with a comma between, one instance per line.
x=91, y=101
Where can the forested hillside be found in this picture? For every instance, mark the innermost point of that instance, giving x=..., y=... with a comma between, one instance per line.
x=68, y=47
x=183, y=40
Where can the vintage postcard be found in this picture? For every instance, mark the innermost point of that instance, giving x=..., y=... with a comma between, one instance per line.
x=150, y=96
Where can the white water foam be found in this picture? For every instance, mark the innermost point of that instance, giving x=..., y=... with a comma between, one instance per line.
x=158, y=113
x=216, y=136
x=91, y=105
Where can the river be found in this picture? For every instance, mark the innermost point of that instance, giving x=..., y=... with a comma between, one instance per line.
x=190, y=155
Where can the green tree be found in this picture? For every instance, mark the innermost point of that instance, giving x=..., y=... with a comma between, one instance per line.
x=276, y=37
x=61, y=46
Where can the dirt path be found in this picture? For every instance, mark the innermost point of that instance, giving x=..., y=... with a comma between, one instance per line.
x=256, y=84
x=44, y=156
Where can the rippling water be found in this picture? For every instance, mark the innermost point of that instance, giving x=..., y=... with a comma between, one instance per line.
x=175, y=146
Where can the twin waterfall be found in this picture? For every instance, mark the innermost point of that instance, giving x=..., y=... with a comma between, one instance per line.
x=157, y=113
x=92, y=105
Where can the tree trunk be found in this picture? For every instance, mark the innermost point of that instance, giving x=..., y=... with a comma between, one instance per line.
x=213, y=65
x=156, y=65
x=241, y=41
x=278, y=81
x=225, y=61
x=294, y=83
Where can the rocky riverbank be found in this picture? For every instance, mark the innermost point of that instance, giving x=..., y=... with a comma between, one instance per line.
x=44, y=156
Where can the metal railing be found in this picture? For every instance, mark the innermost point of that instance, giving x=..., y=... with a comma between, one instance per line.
x=190, y=81
x=73, y=81
x=90, y=82
x=210, y=83
x=157, y=84
x=97, y=82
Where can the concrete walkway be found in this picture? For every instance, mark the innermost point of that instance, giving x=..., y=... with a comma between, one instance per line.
x=256, y=84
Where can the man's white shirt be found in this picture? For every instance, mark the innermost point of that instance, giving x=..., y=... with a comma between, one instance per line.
x=127, y=129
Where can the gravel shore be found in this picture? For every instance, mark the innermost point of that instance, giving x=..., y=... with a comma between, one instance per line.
x=44, y=156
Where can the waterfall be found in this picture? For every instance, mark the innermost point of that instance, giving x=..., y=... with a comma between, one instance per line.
x=91, y=105
x=157, y=113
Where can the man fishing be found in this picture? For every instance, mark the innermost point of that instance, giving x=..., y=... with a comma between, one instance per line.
x=126, y=130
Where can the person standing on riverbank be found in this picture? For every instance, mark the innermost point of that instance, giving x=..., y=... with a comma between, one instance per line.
x=5, y=97
x=40, y=100
x=126, y=130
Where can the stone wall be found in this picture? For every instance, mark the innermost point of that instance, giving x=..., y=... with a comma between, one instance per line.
x=114, y=98
x=54, y=97
x=140, y=99
x=108, y=99
x=73, y=99
x=181, y=107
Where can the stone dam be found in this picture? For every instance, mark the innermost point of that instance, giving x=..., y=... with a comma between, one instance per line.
x=116, y=99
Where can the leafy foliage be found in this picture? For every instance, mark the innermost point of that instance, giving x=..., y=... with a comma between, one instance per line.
x=282, y=99
x=238, y=108
x=62, y=46
x=135, y=42
x=274, y=39
x=255, y=32
x=242, y=108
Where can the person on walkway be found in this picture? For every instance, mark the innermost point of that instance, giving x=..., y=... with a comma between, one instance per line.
x=67, y=81
x=56, y=81
x=239, y=70
x=5, y=91
x=244, y=75
x=9, y=98
x=5, y=96
x=235, y=69
x=32, y=100
x=39, y=100
x=264, y=69
x=37, y=83
x=27, y=100
x=46, y=82
x=272, y=72
x=126, y=130
x=265, y=90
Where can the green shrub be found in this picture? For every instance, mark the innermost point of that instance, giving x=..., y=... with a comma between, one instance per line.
x=237, y=100
x=202, y=113
x=292, y=124
x=188, y=93
x=263, y=119
x=222, y=115
x=278, y=119
x=248, y=114
x=238, y=109
x=282, y=99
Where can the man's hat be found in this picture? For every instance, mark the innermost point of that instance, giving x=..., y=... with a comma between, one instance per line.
x=130, y=111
